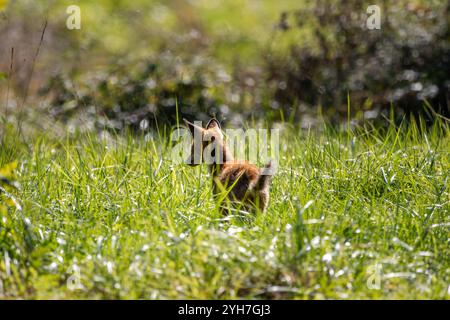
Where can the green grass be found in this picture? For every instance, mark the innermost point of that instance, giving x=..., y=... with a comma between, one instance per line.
x=116, y=214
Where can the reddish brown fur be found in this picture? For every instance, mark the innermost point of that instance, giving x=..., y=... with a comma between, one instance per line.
x=244, y=181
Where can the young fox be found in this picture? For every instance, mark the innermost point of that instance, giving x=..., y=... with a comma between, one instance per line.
x=245, y=183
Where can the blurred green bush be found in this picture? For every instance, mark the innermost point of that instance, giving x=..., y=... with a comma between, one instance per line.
x=134, y=64
x=403, y=63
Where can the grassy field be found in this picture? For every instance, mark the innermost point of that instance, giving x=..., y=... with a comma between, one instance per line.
x=353, y=214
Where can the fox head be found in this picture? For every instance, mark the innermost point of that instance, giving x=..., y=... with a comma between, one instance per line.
x=207, y=144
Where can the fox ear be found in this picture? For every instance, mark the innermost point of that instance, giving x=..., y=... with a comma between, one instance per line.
x=193, y=127
x=213, y=123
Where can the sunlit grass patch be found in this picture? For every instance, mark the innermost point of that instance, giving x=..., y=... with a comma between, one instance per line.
x=111, y=217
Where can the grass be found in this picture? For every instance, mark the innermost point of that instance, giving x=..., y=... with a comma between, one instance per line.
x=112, y=217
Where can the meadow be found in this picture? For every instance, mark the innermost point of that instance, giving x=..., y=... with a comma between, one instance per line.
x=92, y=205
x=356, y=212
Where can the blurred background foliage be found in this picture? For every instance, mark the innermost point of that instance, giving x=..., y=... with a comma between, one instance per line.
x=135, y=63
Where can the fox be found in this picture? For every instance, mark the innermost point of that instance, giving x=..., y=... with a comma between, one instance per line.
x=244, y=184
